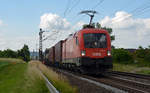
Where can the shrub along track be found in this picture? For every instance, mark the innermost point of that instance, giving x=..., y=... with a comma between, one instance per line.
x=120, y=82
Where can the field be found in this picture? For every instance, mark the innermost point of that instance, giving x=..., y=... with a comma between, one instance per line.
x=17, y=77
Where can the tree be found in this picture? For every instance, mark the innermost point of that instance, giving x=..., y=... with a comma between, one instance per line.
x=8, y=53
x=24, y=53
x=140, y=53
x=98, y=25
x=110, y=32
x=147, y=55
x=89, y=26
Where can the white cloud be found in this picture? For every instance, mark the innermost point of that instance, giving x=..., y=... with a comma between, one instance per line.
x=130, y=32
x=52, y=22
x=59, y=28
x=1, y=23
x=78, y=25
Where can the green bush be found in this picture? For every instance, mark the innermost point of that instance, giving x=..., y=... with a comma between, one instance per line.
x=140, y=53
x=147, y=57
x=143, y=54
x=121, y=55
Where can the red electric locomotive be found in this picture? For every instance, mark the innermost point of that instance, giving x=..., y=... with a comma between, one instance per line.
x=88, y=51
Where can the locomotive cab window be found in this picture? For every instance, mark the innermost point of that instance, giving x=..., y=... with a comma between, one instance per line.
x=95, y=40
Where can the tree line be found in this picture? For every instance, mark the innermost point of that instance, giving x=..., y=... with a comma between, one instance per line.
x=23, y=53
x=125, y=56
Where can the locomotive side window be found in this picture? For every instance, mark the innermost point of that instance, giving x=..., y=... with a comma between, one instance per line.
x=77, y=42
x=95, y=40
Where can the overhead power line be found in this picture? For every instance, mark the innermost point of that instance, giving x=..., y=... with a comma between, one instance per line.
x=141, y=8
x=67, y=7
x=77, y=2
x=100, y=1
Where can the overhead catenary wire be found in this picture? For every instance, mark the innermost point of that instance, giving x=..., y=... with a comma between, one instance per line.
x=141, y=8
x=100, y=2
x=67, y=7
x=77, y=2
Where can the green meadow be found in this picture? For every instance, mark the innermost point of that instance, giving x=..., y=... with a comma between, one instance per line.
x=17, y=77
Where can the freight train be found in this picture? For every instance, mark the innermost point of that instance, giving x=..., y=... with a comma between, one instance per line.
x=86, y=51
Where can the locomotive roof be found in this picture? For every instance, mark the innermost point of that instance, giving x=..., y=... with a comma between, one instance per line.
x=86, y=30
x=92, y=30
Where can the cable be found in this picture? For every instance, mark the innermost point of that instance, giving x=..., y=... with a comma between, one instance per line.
x=101, y=1
x=74, y=6
x=140, y=9
x=67, y=7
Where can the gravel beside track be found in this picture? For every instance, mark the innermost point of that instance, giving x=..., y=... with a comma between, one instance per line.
x=85, y=85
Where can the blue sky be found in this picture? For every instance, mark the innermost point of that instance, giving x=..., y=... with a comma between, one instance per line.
x=21, y=18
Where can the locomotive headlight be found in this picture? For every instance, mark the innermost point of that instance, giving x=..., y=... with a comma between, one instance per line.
x=83, y=53
x=109, y=53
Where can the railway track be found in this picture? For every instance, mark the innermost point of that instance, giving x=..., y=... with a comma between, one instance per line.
x=140, y=76
x=118, y=81
x=126, y=84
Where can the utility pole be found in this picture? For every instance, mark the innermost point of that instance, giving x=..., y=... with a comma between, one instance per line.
x=40, y=45
x=36, y=51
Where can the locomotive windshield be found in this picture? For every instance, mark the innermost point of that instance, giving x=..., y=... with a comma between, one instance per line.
x=95, y=40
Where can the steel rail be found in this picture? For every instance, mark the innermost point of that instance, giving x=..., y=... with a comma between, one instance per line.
x=142, y=76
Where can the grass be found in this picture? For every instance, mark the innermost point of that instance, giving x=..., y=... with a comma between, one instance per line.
x=147, y=72
x=133, y=68
x=17, y=76
x=58, y=80
x=13, y=60
x=3, y=64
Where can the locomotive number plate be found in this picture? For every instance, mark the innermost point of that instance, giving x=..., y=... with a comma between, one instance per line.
x=96, y=54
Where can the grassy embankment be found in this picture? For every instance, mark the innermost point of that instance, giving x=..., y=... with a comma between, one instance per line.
x=16, y=76
x=20, y=77
x=139, y=66
x=58, y=80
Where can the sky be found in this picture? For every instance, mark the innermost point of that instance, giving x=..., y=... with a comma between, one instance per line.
x=20, y=21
